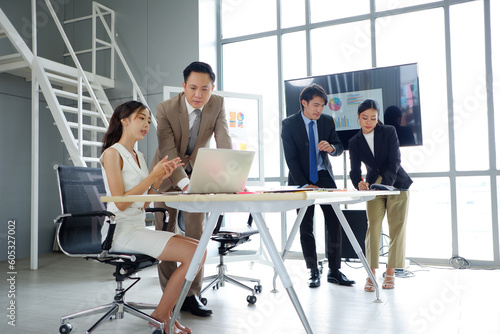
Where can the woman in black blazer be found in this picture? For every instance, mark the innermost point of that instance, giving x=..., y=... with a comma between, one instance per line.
x=377, y=146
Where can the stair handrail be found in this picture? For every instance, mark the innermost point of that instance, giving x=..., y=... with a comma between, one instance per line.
x=96, y=40
x=96, y=10
x=81, y=72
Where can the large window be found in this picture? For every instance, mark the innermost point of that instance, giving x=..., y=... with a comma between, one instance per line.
x=495, y=54
x=251, y=67
x=326, y=10
x=419, y=37
x=469, y=91
x=341, y=48
x=247, y=17
x=454, y=202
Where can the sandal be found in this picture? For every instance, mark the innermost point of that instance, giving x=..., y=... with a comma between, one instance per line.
x=369, y=287
x=389, y=281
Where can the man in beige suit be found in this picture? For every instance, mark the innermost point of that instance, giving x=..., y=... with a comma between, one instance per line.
x=177, y=117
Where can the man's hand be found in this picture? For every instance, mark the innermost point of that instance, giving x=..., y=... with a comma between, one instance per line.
x=325, y=146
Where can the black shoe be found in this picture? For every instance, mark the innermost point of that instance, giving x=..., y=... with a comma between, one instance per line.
x=314, y=280
x=335, y=276
x=195, y=306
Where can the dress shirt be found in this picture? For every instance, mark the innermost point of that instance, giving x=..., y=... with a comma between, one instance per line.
x=319, y=159
x=192, y=115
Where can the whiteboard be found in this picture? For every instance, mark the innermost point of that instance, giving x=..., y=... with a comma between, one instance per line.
x=244, y=117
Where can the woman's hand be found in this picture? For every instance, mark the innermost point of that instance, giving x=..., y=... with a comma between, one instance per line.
x=170, y=166
x=164, y=168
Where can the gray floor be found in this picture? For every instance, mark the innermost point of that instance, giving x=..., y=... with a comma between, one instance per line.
x=433, y=301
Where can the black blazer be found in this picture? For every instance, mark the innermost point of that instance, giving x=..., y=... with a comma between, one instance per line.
x=296, y=146
x=387, y=160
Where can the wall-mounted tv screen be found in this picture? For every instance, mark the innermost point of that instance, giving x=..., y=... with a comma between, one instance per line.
x=395, y=88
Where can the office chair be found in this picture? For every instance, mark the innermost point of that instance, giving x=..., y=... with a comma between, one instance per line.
x=79, y=235
x=229, y=239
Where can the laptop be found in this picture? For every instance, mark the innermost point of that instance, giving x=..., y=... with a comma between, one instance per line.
x=220, y=171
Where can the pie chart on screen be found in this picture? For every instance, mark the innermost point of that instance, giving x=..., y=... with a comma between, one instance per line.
x=335, y=104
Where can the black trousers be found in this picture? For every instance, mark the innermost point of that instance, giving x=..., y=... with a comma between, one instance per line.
x=307, y=240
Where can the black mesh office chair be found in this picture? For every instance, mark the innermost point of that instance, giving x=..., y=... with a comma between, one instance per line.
x=79, y=235
x=229, y=239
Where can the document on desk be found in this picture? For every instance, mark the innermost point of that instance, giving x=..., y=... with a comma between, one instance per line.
x=377, y=186
x=287, y=189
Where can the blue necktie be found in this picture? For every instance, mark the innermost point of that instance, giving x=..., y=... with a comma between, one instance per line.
x=313, y=165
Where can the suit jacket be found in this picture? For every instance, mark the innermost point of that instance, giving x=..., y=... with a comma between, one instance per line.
x=296, y=146
x=386, y=162
x=173, y=133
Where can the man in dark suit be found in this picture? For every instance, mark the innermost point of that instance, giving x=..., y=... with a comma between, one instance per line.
x=196, y=107
x=309, y=138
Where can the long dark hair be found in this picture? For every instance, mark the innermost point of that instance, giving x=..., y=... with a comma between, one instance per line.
x=115, y=128
x=369, y=104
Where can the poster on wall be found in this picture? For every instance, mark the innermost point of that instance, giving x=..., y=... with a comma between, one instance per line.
x=242, y=114
x=237, y=129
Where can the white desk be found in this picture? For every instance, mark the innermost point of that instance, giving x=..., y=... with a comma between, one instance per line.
x=256, y=204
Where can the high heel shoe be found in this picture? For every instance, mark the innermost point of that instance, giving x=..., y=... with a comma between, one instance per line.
x=157, y=330
x=389, y=282
x=369, y=287
x=178, y=328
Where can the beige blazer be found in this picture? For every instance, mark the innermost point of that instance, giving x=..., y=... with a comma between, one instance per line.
x=173, y=132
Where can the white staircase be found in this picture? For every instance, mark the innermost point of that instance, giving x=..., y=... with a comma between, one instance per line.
x=76, y=98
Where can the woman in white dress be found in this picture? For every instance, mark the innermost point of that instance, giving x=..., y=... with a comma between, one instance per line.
x=126, y=173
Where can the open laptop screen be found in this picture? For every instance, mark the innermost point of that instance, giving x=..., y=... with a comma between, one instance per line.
x=220, y=171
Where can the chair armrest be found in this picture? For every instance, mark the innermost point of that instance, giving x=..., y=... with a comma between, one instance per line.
x=59, y=218
x=106, y=245
x=164, y=211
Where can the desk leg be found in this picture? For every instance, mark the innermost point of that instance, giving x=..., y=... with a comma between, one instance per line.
x=289, y=242
x=280, y=267
x=195, y=264
x=356, y=247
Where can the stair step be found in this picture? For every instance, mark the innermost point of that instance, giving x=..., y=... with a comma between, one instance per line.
x=85, y=112
x=64, y=80
x=91, y=143
x=88, y=127
x=10, y=58
x=74, y=96
x=89, y=159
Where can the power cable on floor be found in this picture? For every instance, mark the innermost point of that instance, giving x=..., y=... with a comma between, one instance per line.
x=459, y=262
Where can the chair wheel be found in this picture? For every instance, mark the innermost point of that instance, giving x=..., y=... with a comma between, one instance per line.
x=258, y=288
x=65, y=328
x=251, y=299
x=157, y=331
x=203, y=301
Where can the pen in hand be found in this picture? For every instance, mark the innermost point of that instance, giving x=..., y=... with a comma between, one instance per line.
x=362, y=185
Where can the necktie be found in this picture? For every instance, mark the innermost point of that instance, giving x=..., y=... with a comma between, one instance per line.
x=313, y=165
x=193, y=132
